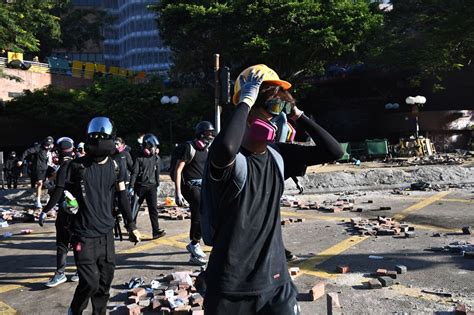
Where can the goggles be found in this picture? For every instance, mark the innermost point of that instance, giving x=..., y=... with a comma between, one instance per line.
x=99, y=135
x=276, y=106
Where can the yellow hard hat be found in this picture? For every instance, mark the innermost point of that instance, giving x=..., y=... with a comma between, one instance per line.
x=269, y=76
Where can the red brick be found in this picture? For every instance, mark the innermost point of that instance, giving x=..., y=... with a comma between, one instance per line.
x=381, y=272
x=460, y=309
x=392, y=274
x=333, y=304
x=134, y=309
x=342, y=269
x=374, y=284
x=294, y=271
x=182, y=310
x=317, y=291
x=137, y=292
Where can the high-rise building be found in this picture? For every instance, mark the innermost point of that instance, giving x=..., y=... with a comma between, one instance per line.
x=133, y=40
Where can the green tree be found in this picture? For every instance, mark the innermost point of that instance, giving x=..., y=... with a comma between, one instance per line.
x=289, y=36
x=132, y=107
x=425, y=38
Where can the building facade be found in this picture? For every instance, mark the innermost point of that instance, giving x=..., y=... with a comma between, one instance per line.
x=133, y=40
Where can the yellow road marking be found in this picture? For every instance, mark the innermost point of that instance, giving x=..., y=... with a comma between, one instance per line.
x=6, y=309
x=419, y=205
x=308, y=266
x=435, y=228
x=154, y=243
x=442, y=199
x=313, y=216
x=457, y=200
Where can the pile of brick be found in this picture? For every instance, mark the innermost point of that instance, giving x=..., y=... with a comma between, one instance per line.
x=171, y=294
x=382, y=226
x=289, y=221
x=385, y=278
x=341, y=204
x=175, y=213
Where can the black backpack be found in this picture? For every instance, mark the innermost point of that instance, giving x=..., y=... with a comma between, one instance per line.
x=179, y=154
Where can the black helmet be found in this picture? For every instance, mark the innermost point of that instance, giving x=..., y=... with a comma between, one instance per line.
x=150, y=140
x=100, y=128
x=48, y=141
x=202, y=127
x=65, y=144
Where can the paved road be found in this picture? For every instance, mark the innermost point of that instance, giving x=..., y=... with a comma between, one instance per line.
x=322, y=241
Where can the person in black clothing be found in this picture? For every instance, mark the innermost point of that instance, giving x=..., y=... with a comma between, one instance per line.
x=145, y=180
x=94, y=180
x=64, y=217
x=188, y=177
x=122, y=155
x=40, y=155
x=12, y=171
x=247, y=271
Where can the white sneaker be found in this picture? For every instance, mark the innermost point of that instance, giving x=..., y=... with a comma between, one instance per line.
x=195, y=250
x=197, y=260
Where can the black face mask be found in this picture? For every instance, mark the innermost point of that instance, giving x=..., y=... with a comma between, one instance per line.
x=99, y=149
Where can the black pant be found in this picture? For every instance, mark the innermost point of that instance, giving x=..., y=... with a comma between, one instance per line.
x=192, y=194
x=96, y=265
x=12, y=181
x=148, y=193
x=280, y=301
x=63, y=239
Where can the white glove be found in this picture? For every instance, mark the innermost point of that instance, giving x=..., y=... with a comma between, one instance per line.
x=249, y=87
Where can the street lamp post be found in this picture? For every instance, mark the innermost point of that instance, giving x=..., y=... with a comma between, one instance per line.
x=174, y=100
x=416, y=102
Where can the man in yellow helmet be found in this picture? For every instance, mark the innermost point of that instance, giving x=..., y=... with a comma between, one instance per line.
x=240, y=206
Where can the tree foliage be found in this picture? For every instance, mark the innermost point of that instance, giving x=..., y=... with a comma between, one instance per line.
x=425, y=38
x=21, y=23
x=290, y=36
x=132, y=107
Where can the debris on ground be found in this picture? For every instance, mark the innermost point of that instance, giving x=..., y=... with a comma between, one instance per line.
x=174, y=213
x=399, y=191
x=420, y=185
x=291, y=220
x=175, y=293
x=16, y=216
x=463, y=248
x=438, y=292
x=381, y=226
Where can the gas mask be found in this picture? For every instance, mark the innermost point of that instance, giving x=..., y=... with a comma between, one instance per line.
x=99, y=149
x=285, y=131
x=149, y=151
x=262, y=130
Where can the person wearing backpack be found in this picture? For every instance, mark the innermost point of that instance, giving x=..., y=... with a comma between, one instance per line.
x=188, y=170
x=242, y=186
x=145, y=180
x=93, y=180
x=40, y=156
x=65, y=146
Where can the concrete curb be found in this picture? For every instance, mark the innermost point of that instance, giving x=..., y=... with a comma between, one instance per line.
x=370, y=179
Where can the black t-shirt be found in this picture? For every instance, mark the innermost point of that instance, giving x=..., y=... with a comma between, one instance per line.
x=195, y=168
x=146, y=171
x=248, y=257
x=95, y=194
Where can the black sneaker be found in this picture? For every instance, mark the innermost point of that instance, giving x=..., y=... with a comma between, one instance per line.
x=160, y=233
